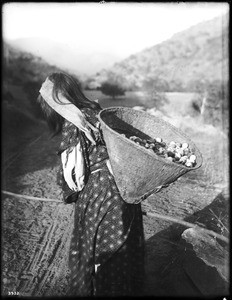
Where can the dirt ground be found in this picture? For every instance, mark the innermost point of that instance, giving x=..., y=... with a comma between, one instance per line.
x=35, y=234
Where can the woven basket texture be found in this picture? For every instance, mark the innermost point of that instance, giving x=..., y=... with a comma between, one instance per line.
x=138, y=171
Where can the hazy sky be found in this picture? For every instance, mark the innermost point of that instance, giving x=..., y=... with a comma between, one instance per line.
x=122, y=28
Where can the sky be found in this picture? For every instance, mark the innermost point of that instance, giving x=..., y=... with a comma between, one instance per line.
x=120, y=28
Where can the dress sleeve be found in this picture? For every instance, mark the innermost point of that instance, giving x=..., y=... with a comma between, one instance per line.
x=70, y=138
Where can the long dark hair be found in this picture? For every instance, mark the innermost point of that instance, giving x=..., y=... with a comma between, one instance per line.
x=71, y=90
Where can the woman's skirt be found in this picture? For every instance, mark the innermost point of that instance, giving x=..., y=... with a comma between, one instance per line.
x=107, y=245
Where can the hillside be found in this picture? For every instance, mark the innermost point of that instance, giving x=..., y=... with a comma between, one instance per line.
x=198, y=53
x=81, y=62
x=20, y=66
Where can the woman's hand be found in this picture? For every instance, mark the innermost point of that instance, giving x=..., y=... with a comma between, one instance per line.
x=73, y=161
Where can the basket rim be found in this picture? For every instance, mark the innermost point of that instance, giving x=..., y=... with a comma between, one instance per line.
x=162, y=159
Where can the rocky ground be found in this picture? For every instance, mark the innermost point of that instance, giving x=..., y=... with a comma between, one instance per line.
x=35, y=233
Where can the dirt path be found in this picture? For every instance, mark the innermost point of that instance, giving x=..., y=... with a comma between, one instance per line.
x=36, y=234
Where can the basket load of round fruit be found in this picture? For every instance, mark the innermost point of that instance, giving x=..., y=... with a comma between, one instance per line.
x=145, y=152
x=173, y=151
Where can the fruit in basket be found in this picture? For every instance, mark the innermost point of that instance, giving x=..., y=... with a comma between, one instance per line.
x=185, y=145
x=169, y=158
x=180, y=151
x=192, y=158
x=177, y=156
x=133, y=137
x=146, y=145
x=188, y=163
x=173, y=151
x=158, y=139
x=172, y=144
x=161, y=150
x=170, y=153
x=183, y=159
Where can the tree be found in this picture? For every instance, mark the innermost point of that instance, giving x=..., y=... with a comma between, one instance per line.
x=111, y=89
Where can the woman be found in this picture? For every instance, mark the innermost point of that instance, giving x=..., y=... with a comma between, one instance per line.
x=107, y=245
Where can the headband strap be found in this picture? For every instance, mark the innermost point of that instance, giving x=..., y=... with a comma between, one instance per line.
x=67, y=109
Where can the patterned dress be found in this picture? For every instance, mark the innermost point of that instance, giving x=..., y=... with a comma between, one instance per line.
x=107, y=245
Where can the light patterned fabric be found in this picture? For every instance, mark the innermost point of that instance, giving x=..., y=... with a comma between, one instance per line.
x=107, y=245
x=73, y=162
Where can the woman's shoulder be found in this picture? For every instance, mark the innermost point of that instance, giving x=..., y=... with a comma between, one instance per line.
x=91, y=113
x=92, y=117
x=91, y=110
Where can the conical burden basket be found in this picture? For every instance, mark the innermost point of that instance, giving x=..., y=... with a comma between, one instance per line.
x=139, y=172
